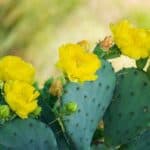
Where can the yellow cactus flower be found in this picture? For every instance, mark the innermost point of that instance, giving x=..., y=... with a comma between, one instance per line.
x=21, y=97
x=14, y=68
x=133, y=42
x=77, y=63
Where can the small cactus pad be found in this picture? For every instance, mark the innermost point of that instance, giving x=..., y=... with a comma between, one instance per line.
x=129, y=113
x=27, y=135
x=140, y=143
x=92, y=99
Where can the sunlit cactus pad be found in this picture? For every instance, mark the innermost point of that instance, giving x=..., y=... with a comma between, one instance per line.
x=92, y=99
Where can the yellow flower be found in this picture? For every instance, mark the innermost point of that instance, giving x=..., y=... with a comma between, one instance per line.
x=133, y=42
x=77, y=63
x=14, y=68
x=21, y=97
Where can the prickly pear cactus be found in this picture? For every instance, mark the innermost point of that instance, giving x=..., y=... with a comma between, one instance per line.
x=92, y=99
x=99, y=147
x=128, y=115
x=140, y=143
x=27, y=134
x=47, y=102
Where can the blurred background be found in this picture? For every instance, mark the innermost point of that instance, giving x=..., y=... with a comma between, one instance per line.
x=34, y=29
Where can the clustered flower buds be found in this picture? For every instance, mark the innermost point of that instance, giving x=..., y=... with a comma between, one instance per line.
x=106, y=43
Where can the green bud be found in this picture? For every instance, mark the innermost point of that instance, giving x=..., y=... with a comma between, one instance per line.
x=148, y=71
x=63, y=80
x=1, y=84
x=37, y=111
x=4, y=112
x=71, y=107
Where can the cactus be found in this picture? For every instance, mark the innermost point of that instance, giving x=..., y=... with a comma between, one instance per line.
x=141, y=142
x=47, y=102
x=92, y=99
x=62, y=142
x=111, y=53
x=99, y=147
x=3, y=147
x=128, y=114
x=27, y=134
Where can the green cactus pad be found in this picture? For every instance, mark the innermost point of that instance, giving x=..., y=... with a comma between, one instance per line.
x=140, y=143
x=129, y=113
x=27, y=135
x=92, y=99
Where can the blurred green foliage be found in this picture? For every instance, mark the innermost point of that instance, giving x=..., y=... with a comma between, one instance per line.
x=34, y=29
x=30, y=22
x=141, y=17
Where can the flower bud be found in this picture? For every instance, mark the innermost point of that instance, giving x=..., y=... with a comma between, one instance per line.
x=71, y=107
x=106, y=43
x=37, y=111
x=4, y=112
x=1, y=84
x=56, y=88
x=85, y=44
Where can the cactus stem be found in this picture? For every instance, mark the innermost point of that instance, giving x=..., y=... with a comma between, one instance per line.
x=50, y=123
